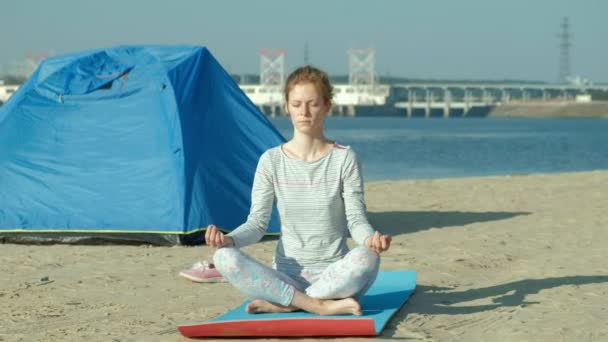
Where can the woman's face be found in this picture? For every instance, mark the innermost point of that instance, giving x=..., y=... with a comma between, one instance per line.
x=307, y=108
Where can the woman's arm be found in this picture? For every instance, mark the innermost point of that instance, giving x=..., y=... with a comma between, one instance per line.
x=262, y=198
x=354, y=202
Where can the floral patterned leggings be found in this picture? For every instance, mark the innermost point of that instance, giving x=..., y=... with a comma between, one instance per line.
x=350, y=276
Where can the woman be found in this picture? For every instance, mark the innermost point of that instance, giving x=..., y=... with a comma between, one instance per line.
x=318, y=189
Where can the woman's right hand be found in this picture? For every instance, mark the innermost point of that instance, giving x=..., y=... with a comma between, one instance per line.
x=216, y=238
x=378, y=243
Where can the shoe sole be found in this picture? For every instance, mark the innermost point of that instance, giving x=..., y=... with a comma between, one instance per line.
x=202, y=280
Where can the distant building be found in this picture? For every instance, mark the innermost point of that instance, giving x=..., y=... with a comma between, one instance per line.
x=6, y=91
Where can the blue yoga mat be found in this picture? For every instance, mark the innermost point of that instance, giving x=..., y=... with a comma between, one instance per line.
x=387, y=295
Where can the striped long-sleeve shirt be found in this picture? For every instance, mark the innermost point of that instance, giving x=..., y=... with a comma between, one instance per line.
x=318, y=202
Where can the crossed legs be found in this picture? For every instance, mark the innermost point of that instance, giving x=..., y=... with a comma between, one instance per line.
x=333, y=292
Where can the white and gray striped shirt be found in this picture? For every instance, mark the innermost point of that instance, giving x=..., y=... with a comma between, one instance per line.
x=319, y=203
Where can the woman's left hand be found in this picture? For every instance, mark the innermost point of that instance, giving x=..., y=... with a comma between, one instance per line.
x=378, y=243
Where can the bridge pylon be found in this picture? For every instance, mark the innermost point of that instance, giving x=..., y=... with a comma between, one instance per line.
x=362, y=66
x=272, y=67
x=272, y=77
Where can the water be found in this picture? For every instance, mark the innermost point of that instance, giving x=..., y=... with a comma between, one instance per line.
x=400, y=148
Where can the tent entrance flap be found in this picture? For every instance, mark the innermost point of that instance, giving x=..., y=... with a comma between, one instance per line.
x=88, y=74
x=110, y=80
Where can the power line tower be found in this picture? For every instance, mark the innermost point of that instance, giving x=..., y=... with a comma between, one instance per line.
x=362, y=66
x=564, y=56
x=272, y=68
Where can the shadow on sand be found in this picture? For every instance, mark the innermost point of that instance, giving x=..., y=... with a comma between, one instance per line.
x=403, y=222
x=432, y=300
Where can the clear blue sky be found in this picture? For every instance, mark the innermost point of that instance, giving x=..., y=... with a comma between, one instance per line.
x=467, y=39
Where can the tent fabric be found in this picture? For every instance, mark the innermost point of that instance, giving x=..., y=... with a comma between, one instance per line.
x=149, y=143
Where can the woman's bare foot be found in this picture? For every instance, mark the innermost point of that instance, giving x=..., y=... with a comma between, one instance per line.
x=340, y=306
x=262, y=306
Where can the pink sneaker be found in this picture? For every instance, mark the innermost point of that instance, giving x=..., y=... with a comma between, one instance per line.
x=202, y=272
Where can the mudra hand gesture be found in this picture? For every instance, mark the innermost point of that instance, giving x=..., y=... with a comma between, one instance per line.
x=378, y=243
x=216, y=238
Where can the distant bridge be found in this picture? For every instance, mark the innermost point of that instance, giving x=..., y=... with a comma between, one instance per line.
x=465, y=96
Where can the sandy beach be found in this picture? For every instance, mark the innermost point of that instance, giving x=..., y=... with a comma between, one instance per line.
x=551, y=109
x=506, y=258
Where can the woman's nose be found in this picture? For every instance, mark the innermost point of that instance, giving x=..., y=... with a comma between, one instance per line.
x=305, y=111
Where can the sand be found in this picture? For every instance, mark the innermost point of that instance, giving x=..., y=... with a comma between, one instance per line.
x=551, y=109
x=511, y=258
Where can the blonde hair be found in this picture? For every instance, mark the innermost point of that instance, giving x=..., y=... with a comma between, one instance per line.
x=310, y=74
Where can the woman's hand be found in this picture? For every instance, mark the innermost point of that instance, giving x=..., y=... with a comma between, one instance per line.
x=215, y=238
x=378, y=243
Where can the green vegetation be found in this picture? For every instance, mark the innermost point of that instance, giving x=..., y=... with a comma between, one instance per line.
x=598, y=95
x=11, y=79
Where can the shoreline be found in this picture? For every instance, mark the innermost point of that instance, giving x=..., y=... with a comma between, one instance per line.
x=506, y=175
x=514, y=257
x=551, y=109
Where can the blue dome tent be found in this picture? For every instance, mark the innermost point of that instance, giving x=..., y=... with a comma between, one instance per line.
x=134, y=143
